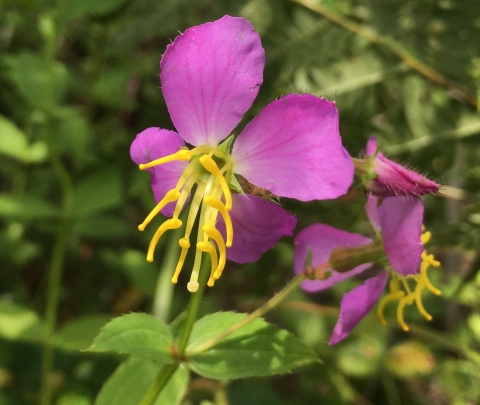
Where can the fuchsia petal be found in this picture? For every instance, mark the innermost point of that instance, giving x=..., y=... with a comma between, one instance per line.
x=293, y=148
x=372, y=211
x=401, y=224
x=154, y=143
x=210, y=76
x=258, y=224
x=321, y=239
x=356, y=304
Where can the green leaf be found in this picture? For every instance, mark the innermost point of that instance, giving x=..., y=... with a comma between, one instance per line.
x=136, y=334
x=258, y=349
x=26, y=207
x=19, y=323
x=131, y=380
x=14, y=143
x=33, y=79
x=79, y=334
x=97, y=192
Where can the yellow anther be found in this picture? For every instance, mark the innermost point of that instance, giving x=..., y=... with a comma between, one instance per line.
x=425, y=237
x=393, y=296
x=185, y=245
x=208, y=247
x=418, y=299
x=213, y=233
x=181, y=155
x=424, y=276
x=218, y=205
x=172, y=223
x=209, y=164
x=211, y=282
x=408, y=299
x=171, y=196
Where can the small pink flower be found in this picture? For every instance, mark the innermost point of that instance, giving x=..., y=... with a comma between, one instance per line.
x=398, y=223
x=391, y=179
x=210, y=77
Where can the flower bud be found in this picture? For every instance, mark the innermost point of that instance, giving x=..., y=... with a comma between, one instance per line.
x=385, y=178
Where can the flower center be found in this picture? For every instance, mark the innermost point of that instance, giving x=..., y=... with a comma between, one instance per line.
x=400, y=289
x=209, y=168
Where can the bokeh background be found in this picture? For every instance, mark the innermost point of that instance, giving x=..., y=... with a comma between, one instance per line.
x=78, y=81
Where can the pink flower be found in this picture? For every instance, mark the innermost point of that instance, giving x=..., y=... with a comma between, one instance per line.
x=210, y=77
x=391, y=179
x=398, y=223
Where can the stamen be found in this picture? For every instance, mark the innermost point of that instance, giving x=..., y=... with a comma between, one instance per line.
x=218, y=205
x=425, y=237
x=185, y=245
x=424, y=277
x=213, y=233
x=418, y=299
x=408, y=299
x=208, y=247
x=171, y=196
x=209, y=164
x=192, y=285
x=172, y=223
x=181, y=155
x=192, y=214
x=187, y=188
x=393, y=296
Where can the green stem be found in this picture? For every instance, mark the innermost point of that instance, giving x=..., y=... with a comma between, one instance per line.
x=58, y=255
x=162, y=299
x=167, y=370
x=162, y=378
x=269, y=305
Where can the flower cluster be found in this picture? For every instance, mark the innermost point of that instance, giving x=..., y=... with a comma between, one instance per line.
x=398, y=247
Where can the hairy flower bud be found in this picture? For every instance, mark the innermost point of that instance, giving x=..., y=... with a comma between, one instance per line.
x=385, y=178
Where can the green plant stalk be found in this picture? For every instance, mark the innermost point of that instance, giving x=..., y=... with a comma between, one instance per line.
x=58, y=255
x=269, y=305
x=162, y=299
x=167, y=370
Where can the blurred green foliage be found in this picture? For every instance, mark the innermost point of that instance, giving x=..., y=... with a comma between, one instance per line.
x=79, y=79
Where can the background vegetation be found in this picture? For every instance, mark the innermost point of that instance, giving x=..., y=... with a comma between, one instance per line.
x=79, y=79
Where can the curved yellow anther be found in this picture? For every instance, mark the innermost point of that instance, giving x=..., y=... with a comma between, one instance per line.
x=424, y=277
x=209, y=164
x=209, y=247
x=425, y=237
x=408, y=299
x=172, y=223
x=185, y=245
x=218, y=205
x=418, y=300
x=182, y=155
x=213, y=233
x=393, y=296
x=171, y=196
